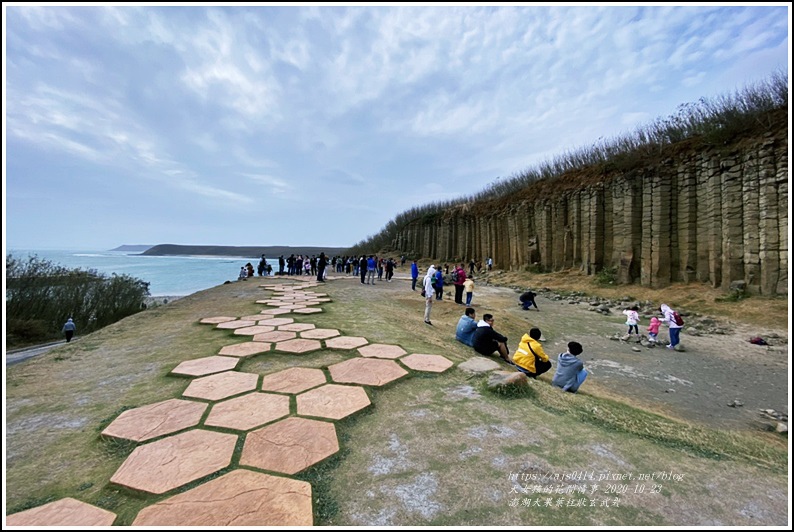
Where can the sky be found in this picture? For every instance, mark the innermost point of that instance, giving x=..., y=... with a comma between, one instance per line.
x=315, y=125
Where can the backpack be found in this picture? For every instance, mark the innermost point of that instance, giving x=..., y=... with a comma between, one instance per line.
x=455, y=276
x=677, y=318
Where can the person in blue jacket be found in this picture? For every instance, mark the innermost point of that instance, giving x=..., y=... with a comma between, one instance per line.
x=467, y=324
x=414, y=275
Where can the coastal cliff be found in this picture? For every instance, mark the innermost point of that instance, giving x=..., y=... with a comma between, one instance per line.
x=711, y=214
x=240, y=251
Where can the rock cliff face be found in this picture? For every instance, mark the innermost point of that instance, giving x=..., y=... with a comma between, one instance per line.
x=702, y=215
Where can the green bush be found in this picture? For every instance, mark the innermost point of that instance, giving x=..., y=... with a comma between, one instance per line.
x=607, y=276
x=41, y=295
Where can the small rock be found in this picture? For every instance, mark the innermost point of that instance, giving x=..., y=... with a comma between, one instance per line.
x=637, y=349
x=781, y=428
x=502, y=379
x=735, y=403
x=669, y=390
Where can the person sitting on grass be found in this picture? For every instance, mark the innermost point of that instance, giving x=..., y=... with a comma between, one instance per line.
x=466, y=326
x=530, y=357
x=570, y=372
x=486, y=340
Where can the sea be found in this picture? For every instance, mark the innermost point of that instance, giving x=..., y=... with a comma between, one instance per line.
x=167, y=276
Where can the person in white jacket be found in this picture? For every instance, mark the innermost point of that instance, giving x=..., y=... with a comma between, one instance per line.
x=430, y=292
x=675, y=329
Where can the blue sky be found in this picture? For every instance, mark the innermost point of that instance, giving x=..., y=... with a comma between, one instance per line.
x=316, y=125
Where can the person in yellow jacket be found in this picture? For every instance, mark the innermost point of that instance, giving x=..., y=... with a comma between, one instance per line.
x=530, y=357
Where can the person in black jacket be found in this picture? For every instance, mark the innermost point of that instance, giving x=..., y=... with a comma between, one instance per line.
x=527, y=300
x=486, y=340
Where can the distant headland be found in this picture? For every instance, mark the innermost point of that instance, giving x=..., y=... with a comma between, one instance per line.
x=234, y=251
x=133, y=247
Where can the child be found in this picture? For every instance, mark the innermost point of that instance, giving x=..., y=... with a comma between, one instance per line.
x=632, y=317
x=468, y=287
x=653, y=329
x=570, y=372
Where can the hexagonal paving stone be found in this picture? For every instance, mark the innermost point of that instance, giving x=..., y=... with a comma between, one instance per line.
x=290, y=446
x=166, y=464
x=298, y=345
x=345, y=342
x=63, y=512
x=255, y=329
x=253, y=317
x=382, y=351
x=217, y=319
x=297, y=327
x=320, y=334
x=275, y=336
x=245, y=349
x=293, y=380
x=221, y=385
x=238, y=498
x=248, y=411
x=333, y=401
x=158, y=419
x=235, y=324
x=434, y=363
x=371, y=371
x=205, y=366
x=307, y=310
x=275, y=322
x=276, y=311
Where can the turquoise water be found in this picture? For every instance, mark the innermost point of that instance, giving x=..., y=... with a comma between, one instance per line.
x=167, y=276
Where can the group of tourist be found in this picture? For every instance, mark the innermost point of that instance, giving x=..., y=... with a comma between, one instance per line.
x=433, y=286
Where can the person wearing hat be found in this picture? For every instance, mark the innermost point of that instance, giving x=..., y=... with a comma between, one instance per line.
x=530, y=357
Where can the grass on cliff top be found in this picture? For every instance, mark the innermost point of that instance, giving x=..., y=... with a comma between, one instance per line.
x=59, y=402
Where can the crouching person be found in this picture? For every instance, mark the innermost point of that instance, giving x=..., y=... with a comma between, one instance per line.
x=570, y=372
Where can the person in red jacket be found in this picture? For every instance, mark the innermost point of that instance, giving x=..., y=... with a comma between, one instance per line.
x=458, y=278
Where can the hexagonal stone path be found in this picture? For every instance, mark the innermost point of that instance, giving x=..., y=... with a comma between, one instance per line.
x=245, y=349
x=63, y=512
x=382, y=351
x=433, y=363
x=307, y=310
x=293, y=380
x=158, y=419
x=238, y=498
x=217, y=319
x=166, y=464
x=297, y=327
x=370, y=371
x=276, y=311
x=298, y=345
x=205, y=366
x=275, y=336
x=345, y=342
x=254, y=330
x=320, y=334
x=235, y=324
x=248, y=411
x=275, y=322
x=290, y=446
x=221, y=385
x=332, y=401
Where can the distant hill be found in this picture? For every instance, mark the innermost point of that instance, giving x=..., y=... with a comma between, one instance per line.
x=132, y=247
x=241, y=251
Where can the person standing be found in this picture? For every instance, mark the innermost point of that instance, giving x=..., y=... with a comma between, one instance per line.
x=322, y=263
x=458, y=282
x=674, y=322
x=632, y=319
x=471, y=267
x=489, y=263
x=429, y=293
x=439, y=285
x=570, y=372
x=389, y=269
x=653, y=329
x=468, y=287
x=372, y=269
x=530, y=357
x=414, y=274
x=69, y=328
x=362, y=267
x=281, y=263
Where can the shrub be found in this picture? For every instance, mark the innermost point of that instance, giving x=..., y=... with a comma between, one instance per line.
x=607, y=276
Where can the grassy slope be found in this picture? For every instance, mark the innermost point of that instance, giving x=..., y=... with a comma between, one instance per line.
x=431, y=449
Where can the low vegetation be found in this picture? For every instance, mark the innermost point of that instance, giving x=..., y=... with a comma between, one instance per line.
x=41, y=295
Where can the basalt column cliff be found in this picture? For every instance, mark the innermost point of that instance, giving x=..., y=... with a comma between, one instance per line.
x=712, y=215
